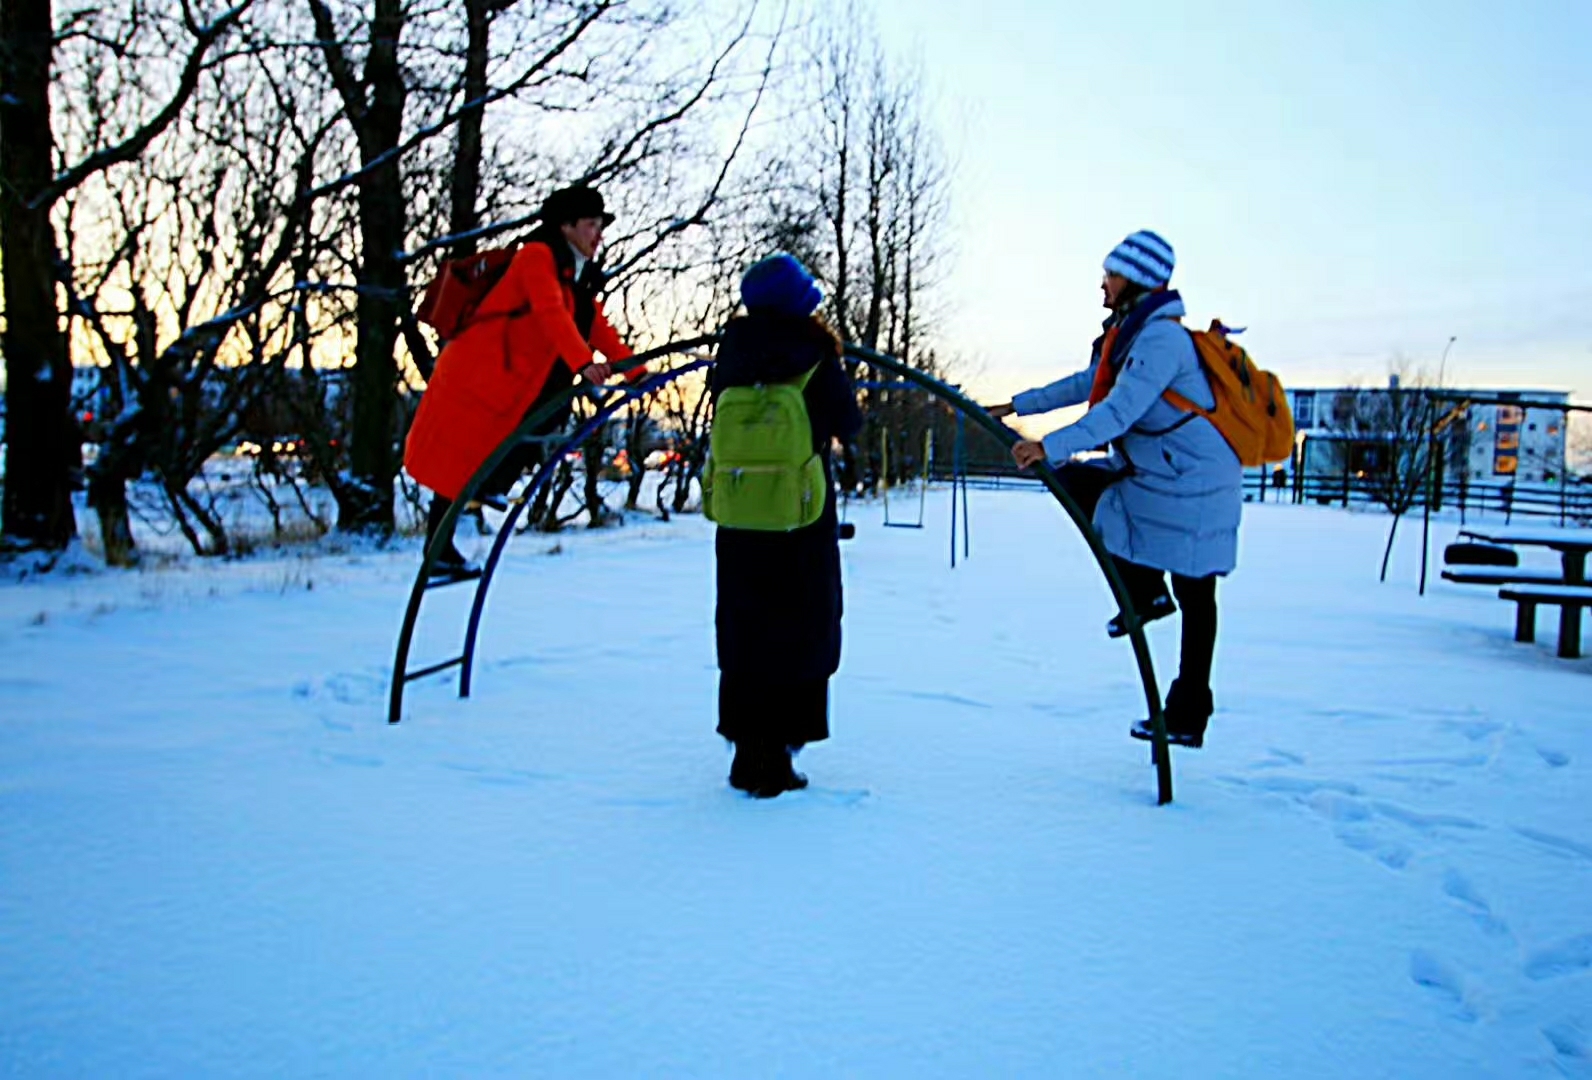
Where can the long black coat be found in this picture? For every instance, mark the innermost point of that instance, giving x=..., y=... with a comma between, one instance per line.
x=779, y=594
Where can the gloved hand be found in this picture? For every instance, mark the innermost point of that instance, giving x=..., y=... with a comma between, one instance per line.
x=1028, y=453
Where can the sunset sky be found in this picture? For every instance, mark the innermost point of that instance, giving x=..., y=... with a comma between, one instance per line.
x=1354, y=181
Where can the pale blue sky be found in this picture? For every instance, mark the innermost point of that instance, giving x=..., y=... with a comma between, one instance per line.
x=1350, y=179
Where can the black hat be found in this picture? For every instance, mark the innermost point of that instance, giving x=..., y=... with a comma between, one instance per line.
x=573, y=203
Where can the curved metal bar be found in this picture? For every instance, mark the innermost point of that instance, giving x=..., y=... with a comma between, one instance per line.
x=539, y=479
x=1047, y=476
x=444, y=533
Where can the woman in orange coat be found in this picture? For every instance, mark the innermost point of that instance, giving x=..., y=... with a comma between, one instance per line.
x=535, y=331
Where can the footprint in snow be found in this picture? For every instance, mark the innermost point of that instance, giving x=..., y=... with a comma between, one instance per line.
x=1442, y=978
x=1390, y=853
x=1561, y=958
x=1459, y=887
x=1569, y=1041
x=1556, y=759
x=1562, y=844
x=1336, y=806
x=350, y=689
x=1424, y=823
x=1414, y=783
x=1473, y=730
x=1302, y=787
x=1278, y=759
x=1459, y=761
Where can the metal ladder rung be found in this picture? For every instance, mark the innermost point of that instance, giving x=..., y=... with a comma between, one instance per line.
x=440, y=581
x=411, y=676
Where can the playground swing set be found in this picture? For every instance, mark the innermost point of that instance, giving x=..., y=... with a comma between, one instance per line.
x=924, y=474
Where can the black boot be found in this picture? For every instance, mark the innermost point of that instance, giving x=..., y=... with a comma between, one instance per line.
x=1159, y=608
x=1187, y=713
x=779, y=774
x=764, y=771
x=746, y=768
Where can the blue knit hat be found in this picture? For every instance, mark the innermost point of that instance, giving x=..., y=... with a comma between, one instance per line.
x=781, y=283
x=1144, y=259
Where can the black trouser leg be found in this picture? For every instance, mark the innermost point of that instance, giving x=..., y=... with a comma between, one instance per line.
x=1144, y=583
x=434, y=515
x=1197, y=598
x=1086, y=483
x=525, y=455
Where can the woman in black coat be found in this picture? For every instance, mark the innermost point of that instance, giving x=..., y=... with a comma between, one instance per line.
x=779, y=593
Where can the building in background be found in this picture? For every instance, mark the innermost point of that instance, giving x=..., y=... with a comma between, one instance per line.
x=1502, y=437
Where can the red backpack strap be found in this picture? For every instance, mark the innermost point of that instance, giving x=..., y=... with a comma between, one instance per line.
x=1105, y=376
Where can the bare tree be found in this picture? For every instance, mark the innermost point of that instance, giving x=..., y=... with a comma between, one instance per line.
x=150, y=60
x=182, y=287
x=1395, y=425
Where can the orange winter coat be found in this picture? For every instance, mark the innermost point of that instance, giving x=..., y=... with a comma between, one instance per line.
x=491, y=373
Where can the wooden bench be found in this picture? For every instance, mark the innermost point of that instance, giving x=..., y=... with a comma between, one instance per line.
x=1504, y=575
x=1570, y=600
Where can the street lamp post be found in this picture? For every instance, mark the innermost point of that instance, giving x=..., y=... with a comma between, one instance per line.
x=1431, y=474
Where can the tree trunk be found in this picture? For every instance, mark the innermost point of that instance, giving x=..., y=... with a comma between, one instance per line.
x=42, y=448
x=635, y=452
x=108, y=495
x=1388, y=551
x=181, y=499
x=367, y=503
x=466, y=187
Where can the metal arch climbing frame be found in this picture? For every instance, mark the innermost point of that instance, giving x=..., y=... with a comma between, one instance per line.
x=1141, y=646
x=401, y=676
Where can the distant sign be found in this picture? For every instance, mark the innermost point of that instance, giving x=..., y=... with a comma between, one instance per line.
x=1506, y=440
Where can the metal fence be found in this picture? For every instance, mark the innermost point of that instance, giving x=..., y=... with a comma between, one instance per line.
x=1565, y=504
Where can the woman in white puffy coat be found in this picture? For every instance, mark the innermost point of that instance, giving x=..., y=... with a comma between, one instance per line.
x=1169, y=497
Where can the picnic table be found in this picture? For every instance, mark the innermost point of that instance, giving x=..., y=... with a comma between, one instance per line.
x=1571, y=544
x=1571, y=594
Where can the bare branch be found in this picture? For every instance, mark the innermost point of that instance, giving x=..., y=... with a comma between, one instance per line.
x=527, y=78
x=133, y=146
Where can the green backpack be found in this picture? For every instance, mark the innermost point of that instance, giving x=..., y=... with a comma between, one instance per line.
x=762, y=473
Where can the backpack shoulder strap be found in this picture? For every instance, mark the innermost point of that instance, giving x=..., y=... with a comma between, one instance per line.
x=1172, y=397
x=806, y=377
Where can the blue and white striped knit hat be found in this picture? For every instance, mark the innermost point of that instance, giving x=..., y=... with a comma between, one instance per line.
x=1143, y=258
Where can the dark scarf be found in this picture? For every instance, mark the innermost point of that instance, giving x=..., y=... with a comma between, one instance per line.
x=585, y=289
x=1132, y=321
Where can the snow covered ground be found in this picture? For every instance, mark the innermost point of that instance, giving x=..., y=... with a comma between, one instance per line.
x=217, y=859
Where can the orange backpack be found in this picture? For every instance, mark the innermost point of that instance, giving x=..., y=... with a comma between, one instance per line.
x=1251, y=410
x=451, y=300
